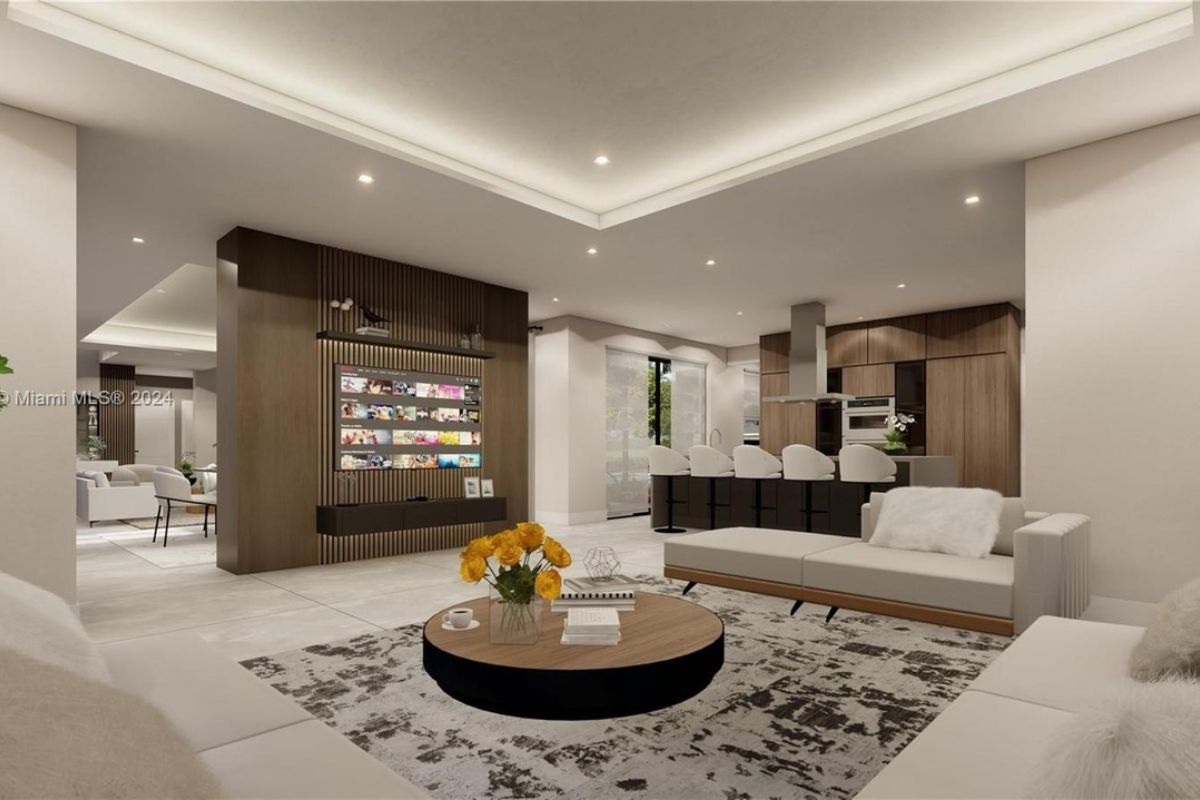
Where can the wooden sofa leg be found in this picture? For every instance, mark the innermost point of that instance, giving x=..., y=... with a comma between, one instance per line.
x=688, y=588
x=829, y=617
x=796, y=607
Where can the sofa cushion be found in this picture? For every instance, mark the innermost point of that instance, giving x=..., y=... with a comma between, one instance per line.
x=937, y=519
x=39, y=624
x=1012, y=516
x=1087, y=657
x=975, y=585
x=307, y=760
x=763, y=553
x=98, y=478
x=210, y=698
x=1137, y=741
x=980, y=746
x=1171, y=644
x=66, y=736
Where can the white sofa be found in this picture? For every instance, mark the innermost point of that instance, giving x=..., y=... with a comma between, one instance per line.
x=258, y=743
x=989, y=740
x=1038, y=566
x=97, y=500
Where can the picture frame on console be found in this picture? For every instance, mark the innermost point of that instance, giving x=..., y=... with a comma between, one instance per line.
x=487, y=487
x=471, y=487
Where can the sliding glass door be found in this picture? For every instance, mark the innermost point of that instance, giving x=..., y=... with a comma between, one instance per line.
x=649, y=400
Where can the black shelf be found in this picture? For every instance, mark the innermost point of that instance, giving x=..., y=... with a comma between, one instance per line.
x=382, y=341
x=353, y=519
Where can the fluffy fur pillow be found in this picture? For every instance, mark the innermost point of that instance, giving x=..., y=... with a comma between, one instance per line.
x=1171, y=644
x=961, y=522
x=41, y=625
x=1140, y=744
x=64, y=736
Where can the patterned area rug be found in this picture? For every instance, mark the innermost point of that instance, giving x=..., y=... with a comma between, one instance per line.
x=800, y=709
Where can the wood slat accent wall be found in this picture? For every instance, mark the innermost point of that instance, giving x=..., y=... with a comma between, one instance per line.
x=423, y=306
x=116, y=419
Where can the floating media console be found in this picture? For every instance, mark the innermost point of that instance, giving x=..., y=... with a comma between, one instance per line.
x=353, y=519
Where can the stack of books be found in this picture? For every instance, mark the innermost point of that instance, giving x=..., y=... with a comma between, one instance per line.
x=592, y=626
x=617, y=592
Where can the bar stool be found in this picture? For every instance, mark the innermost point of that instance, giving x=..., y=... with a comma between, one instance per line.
x=804, y=463
x=861, y=463
x=666, y=462
x=709, y=462
x=753, y=463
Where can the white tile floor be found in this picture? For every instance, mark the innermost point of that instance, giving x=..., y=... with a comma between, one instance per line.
x=129, y=587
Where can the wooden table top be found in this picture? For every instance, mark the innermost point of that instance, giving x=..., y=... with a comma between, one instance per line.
x=661, y=628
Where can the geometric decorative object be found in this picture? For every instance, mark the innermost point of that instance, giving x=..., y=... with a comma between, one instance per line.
x=601, y=563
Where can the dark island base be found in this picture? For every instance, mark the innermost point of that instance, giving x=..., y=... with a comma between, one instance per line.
x=836, y=505
x=567, y=694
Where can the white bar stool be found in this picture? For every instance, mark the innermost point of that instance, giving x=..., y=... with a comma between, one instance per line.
x=753, y=463
x=666, y=462
x=861, y=463
x=709, y=462
x=804, y=463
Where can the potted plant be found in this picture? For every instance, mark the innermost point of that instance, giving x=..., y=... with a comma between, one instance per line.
x=95, y=447
x=4, y=370
x=186, y=466
x=524, y=574
x=897, y=426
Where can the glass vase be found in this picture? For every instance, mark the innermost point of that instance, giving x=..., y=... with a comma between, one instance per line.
x=512, y=622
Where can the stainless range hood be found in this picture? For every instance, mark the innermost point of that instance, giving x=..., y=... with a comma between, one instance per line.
x=807, y=371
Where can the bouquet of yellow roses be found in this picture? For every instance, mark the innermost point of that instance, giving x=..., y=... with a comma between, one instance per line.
x=527, y=564
x=517, y=577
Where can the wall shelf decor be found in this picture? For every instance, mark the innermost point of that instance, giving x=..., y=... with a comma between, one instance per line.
x=406, y=345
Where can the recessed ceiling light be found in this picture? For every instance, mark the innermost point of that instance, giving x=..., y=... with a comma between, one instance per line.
x=971, y=200
x=138, y=240
x=591, y=251
x=556, y=300
x=600, y=161
x=710, y=263
x=179, y=354
x=365, y=178
x=861, y=318
x=901, y=285
x=739, y=313
x=161, y=291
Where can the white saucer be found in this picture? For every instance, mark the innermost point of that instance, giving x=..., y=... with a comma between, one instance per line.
x=446, y=626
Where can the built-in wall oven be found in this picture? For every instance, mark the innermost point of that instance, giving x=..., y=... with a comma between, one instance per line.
x=865, y=420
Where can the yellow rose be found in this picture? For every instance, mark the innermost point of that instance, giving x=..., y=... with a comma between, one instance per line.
x=478, y=548
x=497, y=539
x=472, y=569
x=509, y=552
x=531, y=535
x=548, y=584
x=556, y=554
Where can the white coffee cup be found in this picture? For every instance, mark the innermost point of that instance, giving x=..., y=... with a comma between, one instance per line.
x=458, y=617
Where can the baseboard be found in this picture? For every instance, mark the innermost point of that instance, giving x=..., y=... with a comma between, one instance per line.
x=570, y=518
x=1119, y=611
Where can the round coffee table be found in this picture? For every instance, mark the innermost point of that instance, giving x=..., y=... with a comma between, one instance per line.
x=670, y=650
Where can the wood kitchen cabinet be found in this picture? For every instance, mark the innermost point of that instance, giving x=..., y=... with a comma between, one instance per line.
x=845, y=345
x=773, y=352
x=896, y=339
x=874, y=380
x=781, y=424
x=972, y=331
x=971, y=417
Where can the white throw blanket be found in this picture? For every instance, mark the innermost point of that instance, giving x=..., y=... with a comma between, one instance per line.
x=961, y=522
x=39, y=624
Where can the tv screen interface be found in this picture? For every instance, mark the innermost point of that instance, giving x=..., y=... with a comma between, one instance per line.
x=390, y=419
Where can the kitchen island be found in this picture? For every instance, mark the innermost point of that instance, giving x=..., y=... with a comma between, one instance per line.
x=704, y=503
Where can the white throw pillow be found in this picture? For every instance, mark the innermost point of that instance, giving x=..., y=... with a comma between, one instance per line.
x=100, y=479
x=1171, y=644
x=961, y=522
x=39, y=624
x=1137, y=743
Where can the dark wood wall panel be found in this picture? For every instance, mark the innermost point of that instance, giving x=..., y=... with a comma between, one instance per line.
x=116, y=419
x=435, y=308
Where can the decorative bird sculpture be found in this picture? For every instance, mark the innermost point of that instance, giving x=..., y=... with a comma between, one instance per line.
x=373, y=317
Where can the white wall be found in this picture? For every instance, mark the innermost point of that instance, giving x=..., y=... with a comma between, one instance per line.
x=569, y=480
x=37, y=333
x=1112, y=412
x=204, y=415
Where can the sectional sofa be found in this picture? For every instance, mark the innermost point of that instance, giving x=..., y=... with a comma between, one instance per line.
x=1038, y=566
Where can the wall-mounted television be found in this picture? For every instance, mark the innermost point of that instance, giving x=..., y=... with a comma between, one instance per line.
x=393, y=419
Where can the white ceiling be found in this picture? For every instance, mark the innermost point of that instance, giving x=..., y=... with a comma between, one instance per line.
x=181, y=166
x=684, y=98
x=179, y=313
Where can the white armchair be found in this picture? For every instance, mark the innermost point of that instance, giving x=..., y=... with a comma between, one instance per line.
x=173, y=490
